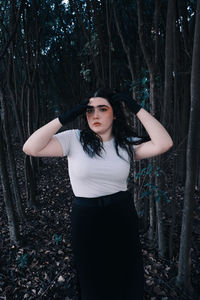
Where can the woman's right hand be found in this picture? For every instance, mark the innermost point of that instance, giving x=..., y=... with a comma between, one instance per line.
x=71, y=114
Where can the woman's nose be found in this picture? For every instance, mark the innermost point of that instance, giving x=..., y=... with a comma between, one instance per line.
x=96, y=114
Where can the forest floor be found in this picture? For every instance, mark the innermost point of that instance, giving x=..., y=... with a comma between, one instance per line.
x=42, y=266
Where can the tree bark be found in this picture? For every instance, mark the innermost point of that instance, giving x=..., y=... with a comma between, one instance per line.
x=13, y=28
x=7, y=195
x=125, y=47
x=183, y=279
x=168, y=90
x=11, y=160
x=87, y=35
x=152, y=63
x=108, y=11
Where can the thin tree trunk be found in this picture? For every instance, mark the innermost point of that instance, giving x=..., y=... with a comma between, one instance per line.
x=11, y=160
x=176, y=128
x=168, y=91
x=7, y=195
x=183, y=279
x=13, y=29
x=125, y=47
x=152, y=63
x=152, y=213
x=162, y=244
x=173, y=217
x=101, y=38
x=12, y=97
x=167, y=112
x=183, y=107
x=109, y=43
x=74, y=6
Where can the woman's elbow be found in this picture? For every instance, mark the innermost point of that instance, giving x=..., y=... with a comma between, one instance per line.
x=167, y=146
x=170, y=144
x=26, y=150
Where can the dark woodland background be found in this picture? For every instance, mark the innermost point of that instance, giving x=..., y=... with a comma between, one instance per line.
x=52, y=54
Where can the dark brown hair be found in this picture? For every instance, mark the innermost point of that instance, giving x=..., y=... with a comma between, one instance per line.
x=123, y=133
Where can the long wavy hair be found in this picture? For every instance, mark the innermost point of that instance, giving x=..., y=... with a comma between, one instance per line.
x=92, y=143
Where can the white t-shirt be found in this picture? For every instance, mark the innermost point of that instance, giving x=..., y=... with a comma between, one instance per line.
x=97, y=176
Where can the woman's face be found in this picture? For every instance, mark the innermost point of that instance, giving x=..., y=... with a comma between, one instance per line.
x=100, y=116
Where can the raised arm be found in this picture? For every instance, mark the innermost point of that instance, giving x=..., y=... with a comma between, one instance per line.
x=43, y=143
x=160, y=139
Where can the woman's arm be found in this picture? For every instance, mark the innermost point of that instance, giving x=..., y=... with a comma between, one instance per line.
x=42, y=142
x=160, y=139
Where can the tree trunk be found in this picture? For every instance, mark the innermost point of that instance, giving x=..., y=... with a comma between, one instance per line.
x=152, y=212
x=108, y=11
x=176, y=128
x=152, y=63
x=167, y=113
x=101, y=37
x=168, y=91
x=11, y=160
x=183, y=279
x=14, y=24
x=74, y=6
x=7, y=195
x=184, y=90
x=125, y=47
x=162, y=243
x=12, y=96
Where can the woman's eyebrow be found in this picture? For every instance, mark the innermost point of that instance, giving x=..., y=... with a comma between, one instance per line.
x=102, y=105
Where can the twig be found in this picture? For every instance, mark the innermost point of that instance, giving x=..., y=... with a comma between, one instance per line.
x=52, y=282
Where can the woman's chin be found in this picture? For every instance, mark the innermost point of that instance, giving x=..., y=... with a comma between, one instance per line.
x=96, y=129
x=99, y=132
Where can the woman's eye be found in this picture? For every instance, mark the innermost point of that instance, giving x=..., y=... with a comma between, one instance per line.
x=89, y=111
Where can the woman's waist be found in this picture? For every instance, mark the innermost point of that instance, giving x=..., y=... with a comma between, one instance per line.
x=102, y=201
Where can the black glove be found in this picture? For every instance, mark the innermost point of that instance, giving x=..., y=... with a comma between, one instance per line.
x=71, y=114
x=130, y=102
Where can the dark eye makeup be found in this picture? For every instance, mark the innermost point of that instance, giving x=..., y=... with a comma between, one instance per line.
x=90, y=109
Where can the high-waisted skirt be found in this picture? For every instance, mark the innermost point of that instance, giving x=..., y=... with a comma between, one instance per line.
x=106, y=247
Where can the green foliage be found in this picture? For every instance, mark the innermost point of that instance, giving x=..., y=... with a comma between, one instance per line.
x=22, y=261
x=86, y=73
x=141, y=213
x=92, y=45
x=162, y=194
x=57, y=238
x=151, y=188
x=145, y=171
x=141, y=88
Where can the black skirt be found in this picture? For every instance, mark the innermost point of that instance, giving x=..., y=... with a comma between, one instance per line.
x=106, y=247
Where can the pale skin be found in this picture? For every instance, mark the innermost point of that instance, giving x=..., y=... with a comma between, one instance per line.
x=42, y=143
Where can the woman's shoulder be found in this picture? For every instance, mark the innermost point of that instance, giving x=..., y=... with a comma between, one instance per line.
x=69, y=134
x=75, y=132
x=72, y=132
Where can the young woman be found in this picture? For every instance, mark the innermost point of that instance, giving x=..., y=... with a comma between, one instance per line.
x=105, y=236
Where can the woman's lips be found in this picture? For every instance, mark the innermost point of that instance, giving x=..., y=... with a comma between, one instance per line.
x=96, y=124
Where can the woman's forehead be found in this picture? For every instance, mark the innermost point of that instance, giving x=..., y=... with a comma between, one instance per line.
x=98, y=101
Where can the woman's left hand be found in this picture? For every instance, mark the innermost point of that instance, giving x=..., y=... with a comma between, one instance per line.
x=128, y=99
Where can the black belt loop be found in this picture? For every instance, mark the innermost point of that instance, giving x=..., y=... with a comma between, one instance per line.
x=101, y=202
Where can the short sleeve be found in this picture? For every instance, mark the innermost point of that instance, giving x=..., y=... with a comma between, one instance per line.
x=65, y=138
